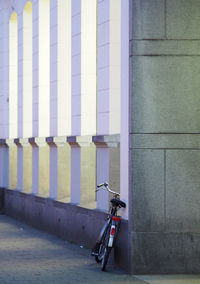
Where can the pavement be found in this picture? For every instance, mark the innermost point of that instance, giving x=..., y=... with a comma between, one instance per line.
x=28, y=255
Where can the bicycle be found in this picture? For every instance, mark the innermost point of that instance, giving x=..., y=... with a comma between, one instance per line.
x=108, y=235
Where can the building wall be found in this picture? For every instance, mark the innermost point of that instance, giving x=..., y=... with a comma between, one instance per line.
x=163, y=226
x=165, y=140
x=60, y=67
x=59, y=64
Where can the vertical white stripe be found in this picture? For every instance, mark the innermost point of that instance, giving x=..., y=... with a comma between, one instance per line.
x=88, y=67
x=44, y=68
x=114, y=63
x=27, y=70
x=64, y=67
x=13, y=75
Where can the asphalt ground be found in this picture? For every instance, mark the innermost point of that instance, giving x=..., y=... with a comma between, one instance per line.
x=28, y=255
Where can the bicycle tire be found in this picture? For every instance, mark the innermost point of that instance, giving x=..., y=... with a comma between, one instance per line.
x=105, y=258
x=102, y=247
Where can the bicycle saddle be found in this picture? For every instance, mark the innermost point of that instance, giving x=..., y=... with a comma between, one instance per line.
x=117, y=202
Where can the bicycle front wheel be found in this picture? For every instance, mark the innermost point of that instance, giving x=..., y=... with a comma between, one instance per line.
x=105, y=258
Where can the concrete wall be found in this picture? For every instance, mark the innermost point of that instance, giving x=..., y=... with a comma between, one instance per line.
x=165, y=140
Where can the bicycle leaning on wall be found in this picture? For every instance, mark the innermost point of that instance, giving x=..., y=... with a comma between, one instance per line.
x=108, y=235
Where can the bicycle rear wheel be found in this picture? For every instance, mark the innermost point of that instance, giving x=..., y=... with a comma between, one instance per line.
x=105, y=258
x=102, y=247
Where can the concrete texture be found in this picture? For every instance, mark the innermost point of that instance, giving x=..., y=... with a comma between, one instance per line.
x=13, y=167
x=172, y=279
x=183, y=19
x=165, y=253
x=166, y=141
x=114, y=171
x=165, y=47
x=64, y=171
x=148, y=19
x=88, y=173
x=159, y=19
x=1, y=201
x=182, y=196
x=166, y=96
x=27, y=168
x=4, y=164
x=164, y=136
x=148, y=190
x=44, y=170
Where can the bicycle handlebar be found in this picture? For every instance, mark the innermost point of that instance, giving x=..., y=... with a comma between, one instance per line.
x=102, y=184
x=106, y=187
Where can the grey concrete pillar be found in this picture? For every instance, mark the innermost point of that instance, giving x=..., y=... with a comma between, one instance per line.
x=59, y=175
x=75, y=170
x=53, y=168
x=165, y=148
x=88, y=171
x=43, y=160
x=4, y=164
x=19, y=164
x=12, y=152
x=102, y=171
x=35, y=166
x=64, y=168
x=27, y=165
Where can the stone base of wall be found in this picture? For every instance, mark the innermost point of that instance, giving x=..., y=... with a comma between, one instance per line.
x=166, y=253
x=1, y=201
x=67, y=221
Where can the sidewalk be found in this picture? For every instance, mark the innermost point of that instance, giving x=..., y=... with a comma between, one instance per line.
x=28, y=256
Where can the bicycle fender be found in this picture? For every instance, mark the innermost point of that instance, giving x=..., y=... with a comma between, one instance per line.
x=111, y=236
x=113, y=231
